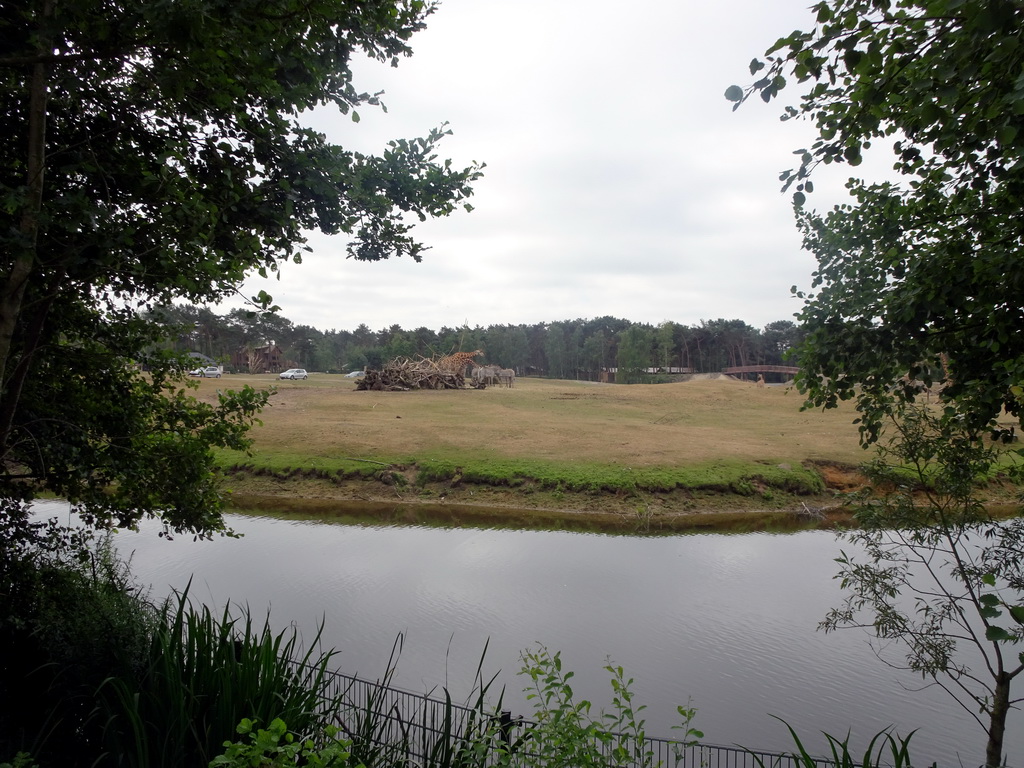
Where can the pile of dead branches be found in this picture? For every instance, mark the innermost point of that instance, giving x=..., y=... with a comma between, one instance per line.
x=403, y=374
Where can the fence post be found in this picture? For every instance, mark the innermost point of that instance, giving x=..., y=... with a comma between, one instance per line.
x=505, y=727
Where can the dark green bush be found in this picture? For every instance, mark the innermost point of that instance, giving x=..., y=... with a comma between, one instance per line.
x=93, y=674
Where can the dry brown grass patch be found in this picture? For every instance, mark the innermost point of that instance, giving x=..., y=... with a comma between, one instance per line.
x=637, y=425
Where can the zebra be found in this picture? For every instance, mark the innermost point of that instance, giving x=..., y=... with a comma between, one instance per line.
x=484, y=375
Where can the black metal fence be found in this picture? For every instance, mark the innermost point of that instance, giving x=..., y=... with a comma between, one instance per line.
x=390, y=726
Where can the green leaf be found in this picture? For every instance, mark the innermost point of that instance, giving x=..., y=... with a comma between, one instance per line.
x=734, y=93
x=997, y=634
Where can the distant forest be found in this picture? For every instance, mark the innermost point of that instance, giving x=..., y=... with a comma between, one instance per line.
x=566, y=349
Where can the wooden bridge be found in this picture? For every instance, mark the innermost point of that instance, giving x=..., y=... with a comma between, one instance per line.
x=787, y=371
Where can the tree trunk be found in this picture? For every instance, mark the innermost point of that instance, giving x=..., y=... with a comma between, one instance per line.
x=12, y=291
x=32, y=322
x=997, y=720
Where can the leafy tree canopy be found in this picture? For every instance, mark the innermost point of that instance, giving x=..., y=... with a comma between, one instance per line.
x=152, y=151
x=918, y=277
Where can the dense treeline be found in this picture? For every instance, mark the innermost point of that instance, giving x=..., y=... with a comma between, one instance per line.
x=566, y=349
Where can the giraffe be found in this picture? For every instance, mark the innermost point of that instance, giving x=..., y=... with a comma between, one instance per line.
x=455, y=363
x=947, y=375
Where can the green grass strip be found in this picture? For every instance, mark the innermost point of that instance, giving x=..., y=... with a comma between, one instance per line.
x=740, y=477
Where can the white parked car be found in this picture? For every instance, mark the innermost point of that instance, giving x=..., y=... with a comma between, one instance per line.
x=209, y=372
x=295, y=373
x=355, y=374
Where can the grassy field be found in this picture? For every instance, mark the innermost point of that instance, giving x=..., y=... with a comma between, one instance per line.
x=639, y=425
x=664, y=448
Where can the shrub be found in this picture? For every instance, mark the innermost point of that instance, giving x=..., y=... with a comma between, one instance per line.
x=71, y=616
x=276, y=747
x=565, y=732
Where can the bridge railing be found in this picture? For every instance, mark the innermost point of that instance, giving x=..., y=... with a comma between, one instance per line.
x=789, y=370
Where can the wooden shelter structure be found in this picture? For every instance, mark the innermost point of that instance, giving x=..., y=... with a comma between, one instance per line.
x=265, y=359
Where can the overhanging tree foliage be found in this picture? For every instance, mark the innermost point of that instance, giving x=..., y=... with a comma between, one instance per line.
x=919, y=276
x=153, y=152
x=937, y=574
x=919, y=283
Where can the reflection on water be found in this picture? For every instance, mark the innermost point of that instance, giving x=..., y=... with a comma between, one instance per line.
x=728, y=621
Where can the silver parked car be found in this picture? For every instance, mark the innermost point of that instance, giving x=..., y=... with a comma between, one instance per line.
x=209, y=372
x=294, y=373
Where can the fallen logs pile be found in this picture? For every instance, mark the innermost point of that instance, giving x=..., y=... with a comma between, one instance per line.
x=403, y=374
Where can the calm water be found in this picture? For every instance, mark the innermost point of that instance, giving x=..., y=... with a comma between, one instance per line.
x=727, y=621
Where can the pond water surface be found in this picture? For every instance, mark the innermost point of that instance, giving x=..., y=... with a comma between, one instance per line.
x=727, y=621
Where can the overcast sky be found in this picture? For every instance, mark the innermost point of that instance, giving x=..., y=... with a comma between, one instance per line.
x=619, y=181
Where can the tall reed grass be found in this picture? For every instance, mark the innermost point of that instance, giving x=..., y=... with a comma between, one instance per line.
x=203, y=674
x=886, y=749
x=93, y=674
